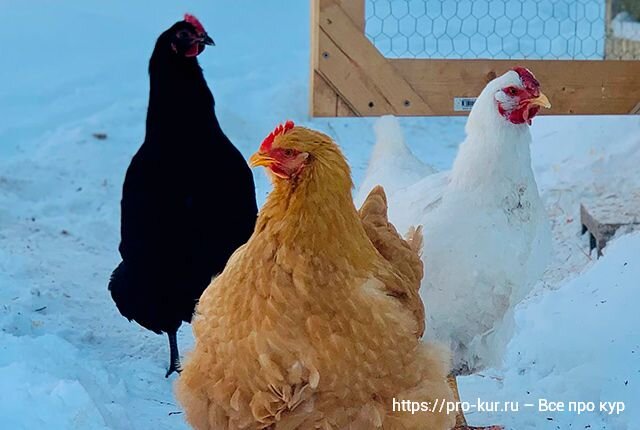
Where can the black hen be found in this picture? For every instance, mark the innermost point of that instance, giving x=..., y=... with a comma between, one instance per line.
x=188, y=200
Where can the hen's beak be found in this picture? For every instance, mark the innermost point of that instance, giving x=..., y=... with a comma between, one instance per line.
x=207, y=40
x=259, y=159
x=541, y=100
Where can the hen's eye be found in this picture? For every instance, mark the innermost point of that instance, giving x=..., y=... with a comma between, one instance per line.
x=512, y=91
x=183, y=34
x=288, y=152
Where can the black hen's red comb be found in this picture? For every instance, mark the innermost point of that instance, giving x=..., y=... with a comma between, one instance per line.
x=195, y=22
x=528, y=80
x=278, y=131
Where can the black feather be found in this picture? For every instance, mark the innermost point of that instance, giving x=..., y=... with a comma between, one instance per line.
x=188, y=200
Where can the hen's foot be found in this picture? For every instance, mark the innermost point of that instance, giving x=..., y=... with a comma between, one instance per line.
x=175, y=367
x=174, y=361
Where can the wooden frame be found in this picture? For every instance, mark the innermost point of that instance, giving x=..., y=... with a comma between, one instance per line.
x=350, y=77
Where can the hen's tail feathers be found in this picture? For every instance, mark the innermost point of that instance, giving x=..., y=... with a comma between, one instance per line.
x=389, y=135
x=374, y=208
x=397, y=251
x=403, y=254
x=415, y=239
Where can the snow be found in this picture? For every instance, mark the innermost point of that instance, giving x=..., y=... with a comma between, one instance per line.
x=579, y=343
x=47, y=370
x=73, y=68
x=625, y=27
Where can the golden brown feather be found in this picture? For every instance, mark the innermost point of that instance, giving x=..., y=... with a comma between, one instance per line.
x=310, y=326
x=403, y=254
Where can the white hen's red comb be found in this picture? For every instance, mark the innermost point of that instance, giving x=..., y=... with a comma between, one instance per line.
x=528, y=80
x=195, y=22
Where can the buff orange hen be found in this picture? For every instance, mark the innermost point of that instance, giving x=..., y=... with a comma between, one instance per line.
x=315, y=322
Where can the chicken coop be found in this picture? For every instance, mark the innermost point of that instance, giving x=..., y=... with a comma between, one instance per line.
x=433, y=57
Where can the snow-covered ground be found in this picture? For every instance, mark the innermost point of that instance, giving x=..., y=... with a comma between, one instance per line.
x=625, y=27
x=73, y=68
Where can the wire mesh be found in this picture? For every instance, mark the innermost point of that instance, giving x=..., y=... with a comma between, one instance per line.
x=501, y=29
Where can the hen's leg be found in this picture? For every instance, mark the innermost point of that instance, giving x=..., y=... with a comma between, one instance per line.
x=174, y=361
x=461, y=422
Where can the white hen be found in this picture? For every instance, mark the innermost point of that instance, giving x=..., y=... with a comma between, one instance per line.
x=487, y=237
x=391, y=162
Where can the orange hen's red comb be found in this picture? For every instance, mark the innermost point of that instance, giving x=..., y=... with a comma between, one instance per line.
x=195, y=22
x=279, y=130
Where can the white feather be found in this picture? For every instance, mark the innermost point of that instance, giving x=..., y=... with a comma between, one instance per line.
x=486, y=235
x=392, y=164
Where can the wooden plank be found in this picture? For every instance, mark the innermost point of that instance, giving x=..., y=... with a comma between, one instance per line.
x=351, y=83
x=608, y=16
x=325, y=99
x=315, y=29
x=574, y=87
x=343, y=109
x=368, y=62
x=615, y=208
x=603, y=217
x=609, y=49
x=355, y=10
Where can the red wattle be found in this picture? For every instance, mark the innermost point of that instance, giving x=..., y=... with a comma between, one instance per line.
x=193, y=51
